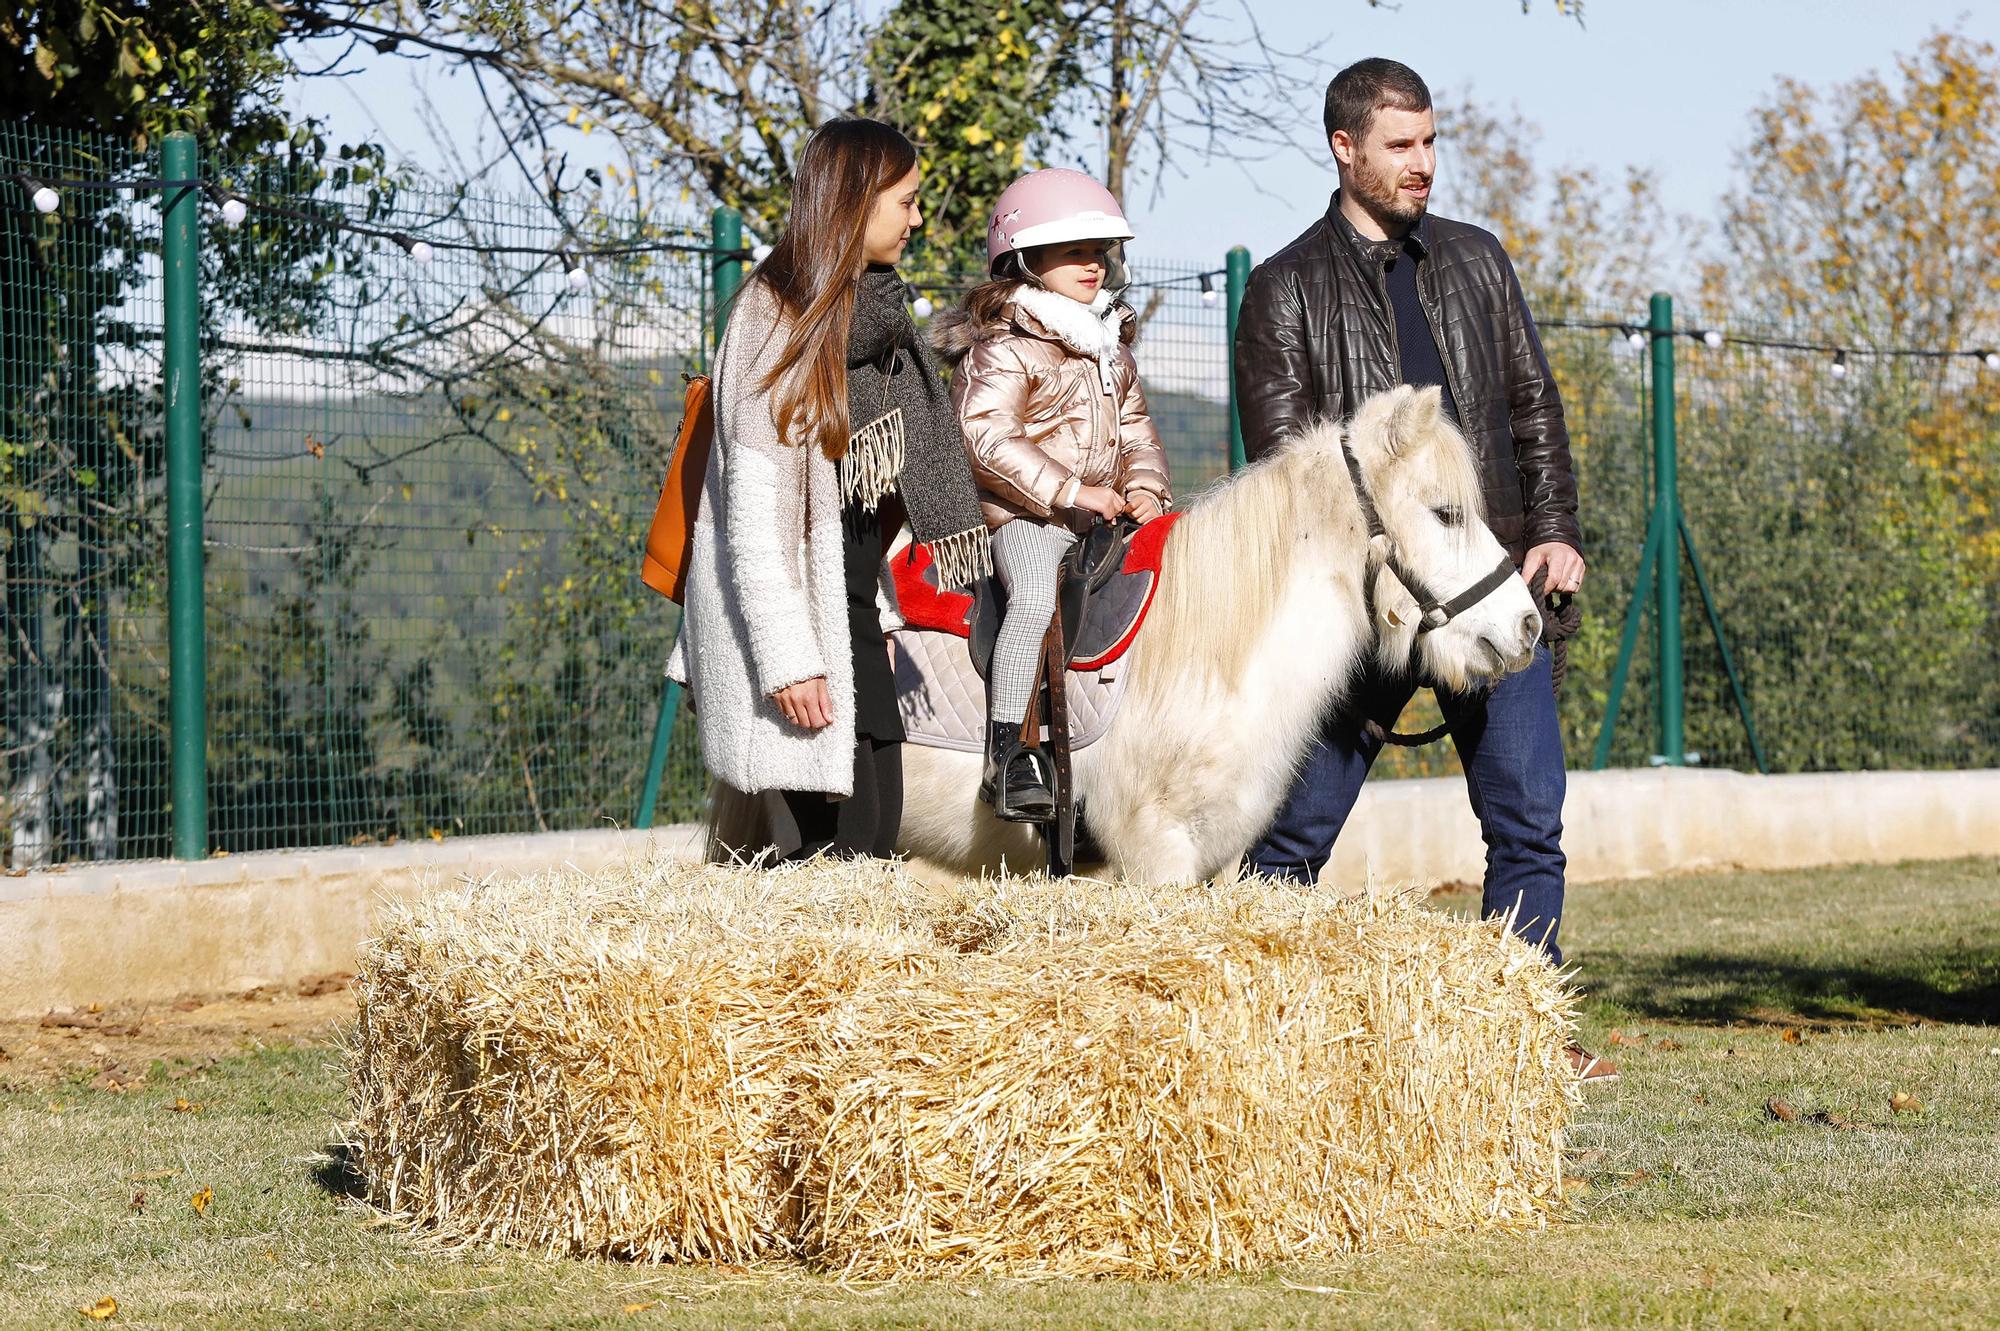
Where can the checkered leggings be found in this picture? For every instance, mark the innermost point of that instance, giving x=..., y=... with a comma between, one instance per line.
x=1028, y=555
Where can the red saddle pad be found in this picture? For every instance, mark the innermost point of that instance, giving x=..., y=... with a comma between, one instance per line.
x=928, y=608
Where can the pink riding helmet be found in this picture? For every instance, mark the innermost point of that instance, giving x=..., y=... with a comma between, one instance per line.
x=1048, y=208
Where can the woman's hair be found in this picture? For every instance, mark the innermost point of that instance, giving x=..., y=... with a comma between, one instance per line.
x=812, y=270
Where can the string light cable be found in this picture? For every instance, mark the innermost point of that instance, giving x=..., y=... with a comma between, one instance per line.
x=45, y=195
x=1641, y=335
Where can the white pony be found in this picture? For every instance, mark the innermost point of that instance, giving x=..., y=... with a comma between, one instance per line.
x=1262, y=615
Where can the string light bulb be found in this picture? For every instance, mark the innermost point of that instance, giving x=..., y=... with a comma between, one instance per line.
x=1209, y=295
x=574, y=272
x=1991, y=359
x=234, y=211
x=45, y=196
x=1712, y=339
x=921, y=306
x=759, y=253
x=1839, y=367
x=416, y=249
x=1635, y=339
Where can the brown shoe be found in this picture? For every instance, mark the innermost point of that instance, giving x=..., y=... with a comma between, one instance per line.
x=1588, y=1067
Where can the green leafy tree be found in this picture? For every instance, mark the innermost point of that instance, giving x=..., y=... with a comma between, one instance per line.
x=978, y=86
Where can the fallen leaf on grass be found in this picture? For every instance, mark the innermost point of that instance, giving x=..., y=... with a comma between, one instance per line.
x=101, y=1311
x=1826, y=1118
x=332, y=983
x=1668, y=1046
x=1902, y=1102
x=1819, y=1118
x=182, y=1105
x=631, y=1308
x=1621, y=1038
x=1571, y=1183
x=1792, y=1035
x=188, y=1004
x=201, y=1200
x=70, y=1021
x=154, y=1175
x=139, y=1201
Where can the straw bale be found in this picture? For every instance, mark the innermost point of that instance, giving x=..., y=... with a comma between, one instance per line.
x=839, y=1064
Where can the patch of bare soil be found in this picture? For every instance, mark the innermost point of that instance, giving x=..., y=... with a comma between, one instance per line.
x=122, y=1047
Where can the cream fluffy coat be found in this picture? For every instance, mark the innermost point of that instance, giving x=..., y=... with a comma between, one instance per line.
x=766, y=598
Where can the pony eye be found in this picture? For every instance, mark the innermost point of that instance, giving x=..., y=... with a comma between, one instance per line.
x=1449, y=516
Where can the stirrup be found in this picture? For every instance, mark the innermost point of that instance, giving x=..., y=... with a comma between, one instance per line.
x=1038, y=808
x=1000, y=764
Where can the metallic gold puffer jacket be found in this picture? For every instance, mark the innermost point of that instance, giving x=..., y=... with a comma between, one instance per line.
x=1049, y=394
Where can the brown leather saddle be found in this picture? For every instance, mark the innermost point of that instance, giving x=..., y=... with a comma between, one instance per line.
x=1097, y=602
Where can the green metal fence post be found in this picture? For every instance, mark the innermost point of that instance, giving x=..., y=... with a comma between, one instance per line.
x=186, y=626
x=726, y=236
x=1667, y=499
x=1722, y=645
x=1237, y=270
x=1635, y=610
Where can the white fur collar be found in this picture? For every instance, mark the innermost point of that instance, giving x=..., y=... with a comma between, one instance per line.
x=1088, y=330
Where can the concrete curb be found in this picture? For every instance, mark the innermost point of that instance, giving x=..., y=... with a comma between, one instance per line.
x=1636, y=823
x=153, y=931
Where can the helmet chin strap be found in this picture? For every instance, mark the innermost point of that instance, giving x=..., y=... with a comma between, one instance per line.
x=1117, y=278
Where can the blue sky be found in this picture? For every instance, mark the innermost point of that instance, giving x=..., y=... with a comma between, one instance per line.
x=1667, y=84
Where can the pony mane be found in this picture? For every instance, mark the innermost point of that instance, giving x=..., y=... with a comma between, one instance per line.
x=1442, y=455
x=1224, y=573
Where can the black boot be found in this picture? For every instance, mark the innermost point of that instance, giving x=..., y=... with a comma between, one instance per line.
x=1024, y=796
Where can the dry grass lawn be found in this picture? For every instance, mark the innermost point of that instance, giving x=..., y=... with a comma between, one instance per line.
x=1831, y=991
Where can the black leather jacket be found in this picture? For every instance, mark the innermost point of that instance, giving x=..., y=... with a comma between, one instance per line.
x=1316, y=337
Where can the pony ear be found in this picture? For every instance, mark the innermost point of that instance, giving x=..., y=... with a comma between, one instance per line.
x=1414, y=419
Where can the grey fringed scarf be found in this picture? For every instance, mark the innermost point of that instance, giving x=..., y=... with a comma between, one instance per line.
x=905, y=435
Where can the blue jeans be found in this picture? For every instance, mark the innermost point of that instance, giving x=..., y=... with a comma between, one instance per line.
x=1511, y=746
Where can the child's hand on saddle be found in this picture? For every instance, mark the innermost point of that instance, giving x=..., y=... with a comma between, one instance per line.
x=806, y=704
x=1142, y=507
x=1102, y=500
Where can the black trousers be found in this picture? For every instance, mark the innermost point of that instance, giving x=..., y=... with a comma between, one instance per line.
x=865, y=823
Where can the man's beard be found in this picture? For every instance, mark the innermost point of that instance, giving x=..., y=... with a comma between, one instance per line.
x=1379, y=194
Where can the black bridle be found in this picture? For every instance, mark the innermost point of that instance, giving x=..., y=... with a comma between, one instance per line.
x=1437, y=611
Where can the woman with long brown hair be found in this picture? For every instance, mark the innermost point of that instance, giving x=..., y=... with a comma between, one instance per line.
x=832, y=424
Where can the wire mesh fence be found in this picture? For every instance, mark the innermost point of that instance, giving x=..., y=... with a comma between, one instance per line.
x=1841, y=510
x=434, y=427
